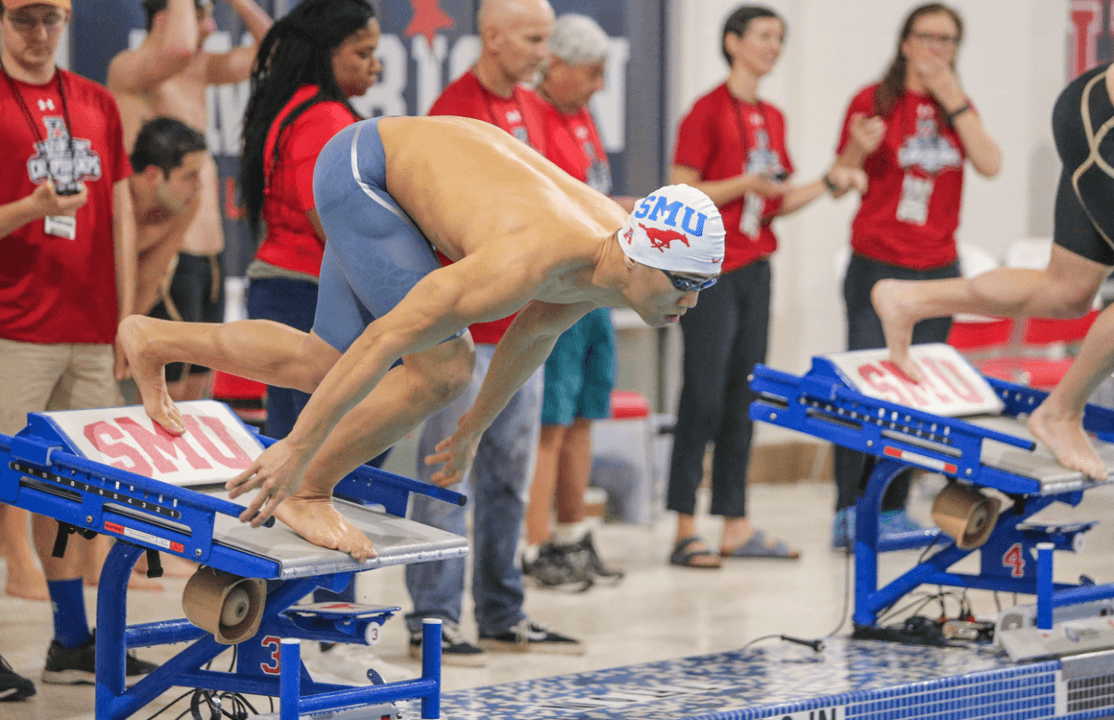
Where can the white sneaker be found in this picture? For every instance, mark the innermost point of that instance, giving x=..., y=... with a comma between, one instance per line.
x=349, y=663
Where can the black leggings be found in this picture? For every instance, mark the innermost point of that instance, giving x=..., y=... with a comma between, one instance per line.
x=1081, y=124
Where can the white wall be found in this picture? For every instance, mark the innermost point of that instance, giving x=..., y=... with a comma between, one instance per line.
x=1012, y=64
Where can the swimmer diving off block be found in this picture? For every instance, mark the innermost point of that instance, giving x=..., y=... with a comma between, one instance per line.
x=523, y=236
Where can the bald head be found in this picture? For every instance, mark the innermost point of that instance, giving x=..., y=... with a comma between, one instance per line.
x=506, y=14
x=515, y=36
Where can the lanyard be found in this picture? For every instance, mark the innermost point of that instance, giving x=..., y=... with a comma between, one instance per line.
x=31, y=119
x=744, y=140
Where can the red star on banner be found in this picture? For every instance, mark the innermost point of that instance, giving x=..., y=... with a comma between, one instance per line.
x=428, y=19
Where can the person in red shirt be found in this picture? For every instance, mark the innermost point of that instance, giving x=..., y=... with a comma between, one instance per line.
x=580, y=372
x=514, y=35
x=67, y=237
x=731, y=145
x=297, y=105
x=912, y=133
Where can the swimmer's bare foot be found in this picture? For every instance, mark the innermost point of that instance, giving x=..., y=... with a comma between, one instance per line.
x=148, y=373
x=317, y=519
x=894, y=309
x=1065, y=437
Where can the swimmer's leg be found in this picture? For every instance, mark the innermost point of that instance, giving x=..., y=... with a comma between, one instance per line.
x=262, y=350
x=1058, y=422
x=1064, y=289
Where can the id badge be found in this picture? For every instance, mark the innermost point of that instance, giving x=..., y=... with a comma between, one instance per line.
x=750, y=220
x=915, y=195
x=62, y=226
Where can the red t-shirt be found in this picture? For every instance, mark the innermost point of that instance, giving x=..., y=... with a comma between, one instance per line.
x=521, y=116
x=910, y=210
x=291, y=241
x=573, y=143
x=723, y=137
x=53, y=289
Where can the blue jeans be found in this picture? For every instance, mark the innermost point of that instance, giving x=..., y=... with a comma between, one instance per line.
x=498, y=489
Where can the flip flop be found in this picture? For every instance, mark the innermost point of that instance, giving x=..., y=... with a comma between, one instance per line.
x=760, y=547
x=683, y=557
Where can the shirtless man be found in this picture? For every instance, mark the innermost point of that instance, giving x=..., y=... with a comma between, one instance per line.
x=167, y=161
x=524, y=236
x=168, y=76
x=1082, y=258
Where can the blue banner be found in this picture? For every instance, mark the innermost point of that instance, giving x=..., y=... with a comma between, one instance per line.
x=425, y=45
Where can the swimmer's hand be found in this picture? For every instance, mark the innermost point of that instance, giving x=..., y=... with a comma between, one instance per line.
x=457, y=452
x=277, y=473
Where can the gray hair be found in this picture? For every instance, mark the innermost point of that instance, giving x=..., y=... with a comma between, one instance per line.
x=578, y=40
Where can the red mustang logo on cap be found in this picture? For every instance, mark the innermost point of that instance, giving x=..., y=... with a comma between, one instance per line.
x=662, y=239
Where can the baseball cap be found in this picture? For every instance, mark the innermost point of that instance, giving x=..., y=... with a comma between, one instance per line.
x=17, y=4
x=676, y=228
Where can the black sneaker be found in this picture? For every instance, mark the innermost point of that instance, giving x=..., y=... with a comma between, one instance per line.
x=13, y=686
x=587, y=549
x=455, y=650
x=553, y=569
x=529, y=636
x=77, y=666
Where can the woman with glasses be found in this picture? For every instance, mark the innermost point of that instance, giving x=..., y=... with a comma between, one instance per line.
x=731, y=145
x=912, y=133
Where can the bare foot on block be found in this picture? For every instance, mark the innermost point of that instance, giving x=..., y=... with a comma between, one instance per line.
x=317, y=519
x=148, y=373
x=894, y=309
x=1068, y=442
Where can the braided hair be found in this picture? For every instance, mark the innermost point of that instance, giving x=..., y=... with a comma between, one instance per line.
x=296, y=51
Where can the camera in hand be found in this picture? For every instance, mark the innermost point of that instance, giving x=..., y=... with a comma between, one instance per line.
x=70, y=188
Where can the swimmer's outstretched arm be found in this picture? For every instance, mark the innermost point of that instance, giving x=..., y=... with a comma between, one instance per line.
x=523, y=349
x=441, y=304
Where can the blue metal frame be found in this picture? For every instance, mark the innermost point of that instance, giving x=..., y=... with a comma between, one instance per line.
x=42, y=472
x=822, y=404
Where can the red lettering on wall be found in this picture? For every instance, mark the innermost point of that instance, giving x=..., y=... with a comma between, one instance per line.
x=232, y=209
x=238, y=460
x=100, y=432
x=1086, y=17
x=873, y=376
x=162, y=447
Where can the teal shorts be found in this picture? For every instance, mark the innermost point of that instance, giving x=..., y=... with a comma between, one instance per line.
x=580, y=372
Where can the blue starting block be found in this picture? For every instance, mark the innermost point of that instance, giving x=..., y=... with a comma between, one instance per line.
x=115, y=472
x=859, y=400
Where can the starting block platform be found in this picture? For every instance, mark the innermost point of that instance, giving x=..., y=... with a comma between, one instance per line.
x=848, y=679
x=114, y=471
x=970, y=429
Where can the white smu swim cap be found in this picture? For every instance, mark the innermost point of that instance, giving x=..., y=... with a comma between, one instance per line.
x=675, y=228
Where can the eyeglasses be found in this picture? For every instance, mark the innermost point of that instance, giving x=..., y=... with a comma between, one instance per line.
x=685, y=284
x=930, y=38
x=24, y=23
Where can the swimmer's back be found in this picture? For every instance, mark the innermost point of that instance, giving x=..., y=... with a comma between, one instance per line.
x=466, y=182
